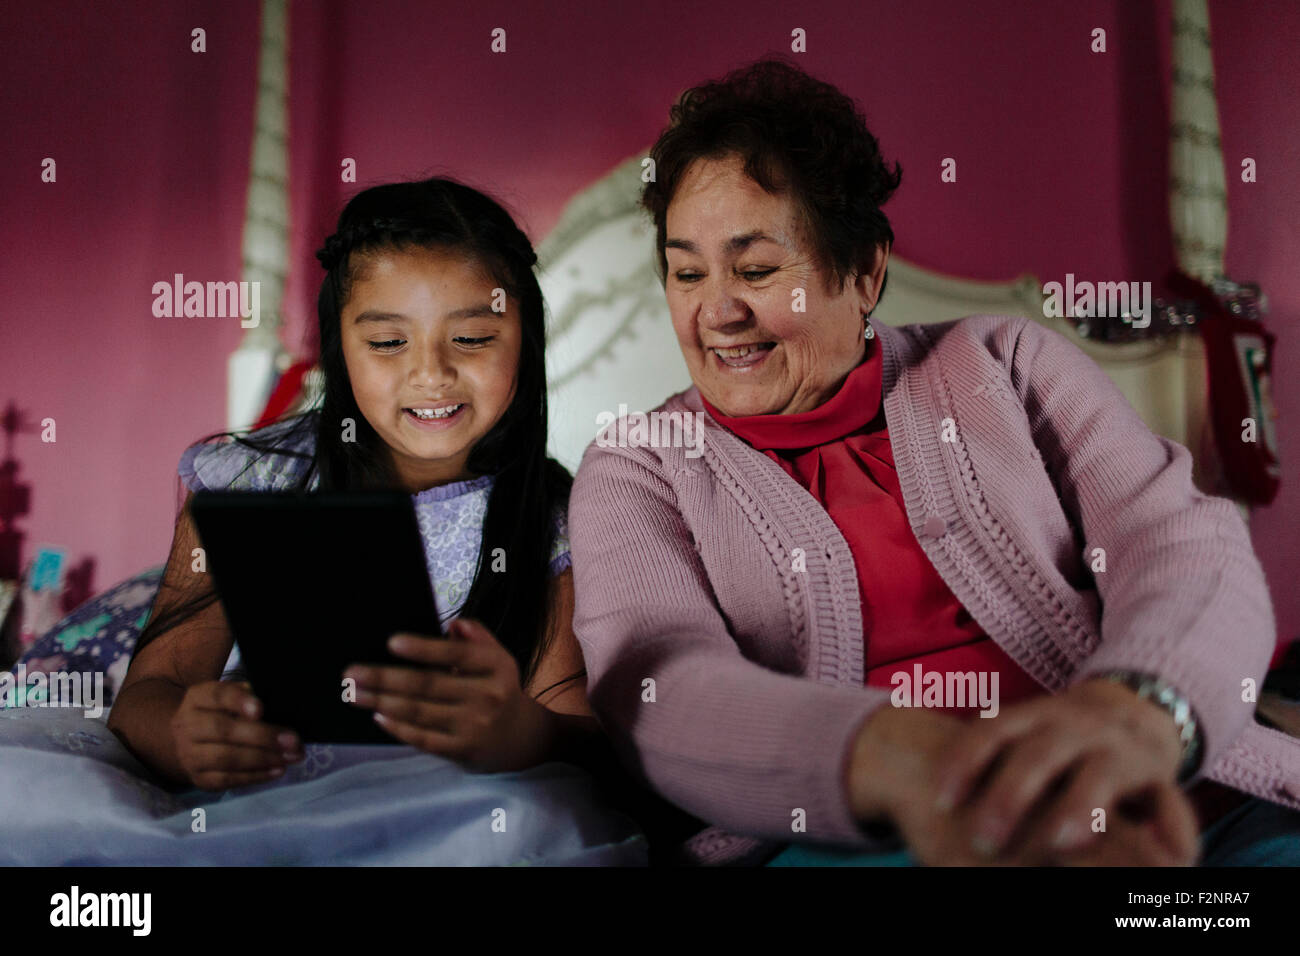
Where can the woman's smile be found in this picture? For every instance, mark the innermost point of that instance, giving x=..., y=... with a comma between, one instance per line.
x=743, y=358
x=762, y=328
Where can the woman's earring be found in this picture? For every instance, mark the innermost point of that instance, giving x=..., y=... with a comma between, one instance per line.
x=868, y=332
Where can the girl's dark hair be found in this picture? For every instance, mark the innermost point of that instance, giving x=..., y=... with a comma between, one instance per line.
x=444, y=215
x=793, y=133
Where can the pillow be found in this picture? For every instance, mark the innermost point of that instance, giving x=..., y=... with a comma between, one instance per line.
x=98, y=637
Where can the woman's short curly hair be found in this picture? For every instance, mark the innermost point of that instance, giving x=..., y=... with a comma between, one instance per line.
x=792, y=132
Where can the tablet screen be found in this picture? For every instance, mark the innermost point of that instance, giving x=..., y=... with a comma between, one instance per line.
x=312, y=583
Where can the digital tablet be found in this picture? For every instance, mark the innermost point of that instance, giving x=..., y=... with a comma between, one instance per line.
x=312, y=583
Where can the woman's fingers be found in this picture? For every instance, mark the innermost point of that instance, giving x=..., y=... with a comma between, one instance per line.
x=1066, y=825
x=1155, y=827
x=1124, y=843
x=1029, y=767
x=1176, y=825
x=972, y=750
x=1064, y=785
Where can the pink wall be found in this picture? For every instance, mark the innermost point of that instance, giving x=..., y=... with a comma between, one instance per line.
x=1061, y=168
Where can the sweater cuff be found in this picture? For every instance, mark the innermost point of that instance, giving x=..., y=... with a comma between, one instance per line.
x=834, y=821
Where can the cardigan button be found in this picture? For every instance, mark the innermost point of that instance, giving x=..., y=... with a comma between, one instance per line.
x=935, y=526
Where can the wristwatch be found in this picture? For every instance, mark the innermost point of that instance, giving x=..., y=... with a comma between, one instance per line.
x=1165, y=695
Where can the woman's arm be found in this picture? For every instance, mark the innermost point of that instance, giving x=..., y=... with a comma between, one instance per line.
x=166, y=664
x=1183, y=594
x=734, y=743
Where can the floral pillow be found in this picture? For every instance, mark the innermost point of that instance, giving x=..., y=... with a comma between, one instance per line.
x=99, y=636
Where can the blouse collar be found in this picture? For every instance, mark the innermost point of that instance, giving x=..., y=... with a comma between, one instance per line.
x=453, y=489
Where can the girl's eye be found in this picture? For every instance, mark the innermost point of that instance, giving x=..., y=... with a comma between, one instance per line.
x=466, y=340
x=384, y=346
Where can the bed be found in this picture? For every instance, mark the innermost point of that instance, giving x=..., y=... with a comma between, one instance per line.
x=610, y=344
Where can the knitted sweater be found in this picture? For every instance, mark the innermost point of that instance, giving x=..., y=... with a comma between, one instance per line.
x=718, y=610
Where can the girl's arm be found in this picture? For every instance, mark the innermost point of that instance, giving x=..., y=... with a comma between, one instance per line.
x=189, y=652
x=574, y=733
x=576, y=736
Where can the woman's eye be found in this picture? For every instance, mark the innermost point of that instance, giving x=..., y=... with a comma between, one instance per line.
x=466, y=340
x=384, y=346
x=751, y=274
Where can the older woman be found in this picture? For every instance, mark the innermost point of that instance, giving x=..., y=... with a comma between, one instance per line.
x=955, y=519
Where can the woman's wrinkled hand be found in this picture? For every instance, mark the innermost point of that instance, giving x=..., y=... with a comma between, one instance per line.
x=464, y=701
x=1025, y=787
x=221, y=742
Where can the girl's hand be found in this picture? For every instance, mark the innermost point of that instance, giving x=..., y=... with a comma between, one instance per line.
x=220, y=742
x=1036, y=775
x=465, y=702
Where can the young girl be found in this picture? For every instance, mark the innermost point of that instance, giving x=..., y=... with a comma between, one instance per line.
x=431, y=344
x=432, y=353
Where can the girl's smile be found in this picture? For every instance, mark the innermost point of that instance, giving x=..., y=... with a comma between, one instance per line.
x=433, y=366
x=437, y=416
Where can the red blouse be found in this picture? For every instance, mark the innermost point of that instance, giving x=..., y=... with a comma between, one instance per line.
x=840, y=453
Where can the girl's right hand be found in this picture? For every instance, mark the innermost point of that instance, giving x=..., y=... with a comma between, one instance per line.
x=221, y=743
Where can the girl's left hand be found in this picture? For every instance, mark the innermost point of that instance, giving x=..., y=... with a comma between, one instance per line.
x=465, y=702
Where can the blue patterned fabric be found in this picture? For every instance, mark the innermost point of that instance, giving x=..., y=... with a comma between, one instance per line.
x=89, y=802
x=97, y=637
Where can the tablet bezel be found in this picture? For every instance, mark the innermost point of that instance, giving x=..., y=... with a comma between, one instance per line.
x=261, y=547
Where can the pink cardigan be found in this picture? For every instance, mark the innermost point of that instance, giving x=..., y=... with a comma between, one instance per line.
x=729, y=672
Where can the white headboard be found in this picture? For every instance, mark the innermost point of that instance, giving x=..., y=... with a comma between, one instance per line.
x=611, y=340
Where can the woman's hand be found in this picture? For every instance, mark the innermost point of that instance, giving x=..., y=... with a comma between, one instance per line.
x=220, y=742
x=465, y=702
x=1039, y=764
x=1090, y=748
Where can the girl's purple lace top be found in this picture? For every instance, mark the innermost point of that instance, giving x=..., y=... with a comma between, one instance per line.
x=450, y=516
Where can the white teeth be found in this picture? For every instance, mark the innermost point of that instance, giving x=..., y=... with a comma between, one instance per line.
x=740, y=351
x=429, y=413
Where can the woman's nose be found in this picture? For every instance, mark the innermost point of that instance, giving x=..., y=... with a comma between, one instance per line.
x=721, y=308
